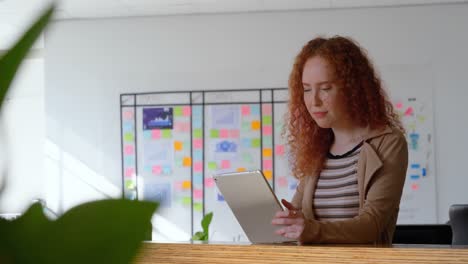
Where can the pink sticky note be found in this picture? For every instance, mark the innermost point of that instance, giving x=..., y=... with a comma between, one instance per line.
x=128, y=115
x=156, y=170
x=267, y=130
x=178, y=185
x=129, y=172
x=282, y=181
x=128, y=150
x=197, y=143
x=223, y=133
x=186, y=127
x=225, y=164
x=279, y=149
x=245, y=110
x=409, y=111
x=267, y=164
x=198, y=166
x=415, y=186
x=155, y=134
x=178, y=126
x=186, y=110
x=266, y=109
x=197, y=194
x=398, y=105
x=209, y=182
x=235, y=133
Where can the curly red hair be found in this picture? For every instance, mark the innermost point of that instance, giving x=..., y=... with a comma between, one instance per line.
x=366, y=101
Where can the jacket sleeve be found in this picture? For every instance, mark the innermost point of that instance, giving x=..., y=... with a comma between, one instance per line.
x=297, y=198
x=381, y=202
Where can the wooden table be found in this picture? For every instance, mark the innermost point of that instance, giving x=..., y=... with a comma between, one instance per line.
x=247, y=253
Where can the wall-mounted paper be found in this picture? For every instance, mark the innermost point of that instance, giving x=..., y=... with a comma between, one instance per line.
x=226, y=116
x=255, y=143
x=245, y=110
x=198, y=133
x=266, y=120
x=178, y=146
x=186, y=110
x=282, y=181
x=166, y=133
x=178, y=111
x=209, y=182
x=129, y=150
x=127, y=115
x=255, y=110
x=235, y=133
x=279, y=150
x=224, y=133
x=255, y=125
x=198, y=207
x=198, y=154
x=187, y=162
x=129, y=172
x=197, y=178
x=157, y=118
x=160, y=192
x=198, y=166
x=268, y=174
x=157, y=170
x=197, y=143
x=241, y=169
x=267, y=152
x=212, y=165
x=267, y=130
x=225, y=164
x=186, y=185
x=267, y=164
x=197, y=194
x=214, y=133
x=266, y=109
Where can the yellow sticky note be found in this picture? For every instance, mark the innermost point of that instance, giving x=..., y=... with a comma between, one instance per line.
x=268, y=174
x=267, y=152
x=178, y=146
x=241, y=169
x=255, y=125
x=186, y=185
x=187, y=162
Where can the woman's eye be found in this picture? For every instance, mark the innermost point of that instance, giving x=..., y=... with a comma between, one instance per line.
x=325, y=88
x=307, y=90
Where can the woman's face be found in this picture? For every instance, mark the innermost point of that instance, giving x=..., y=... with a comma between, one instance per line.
x=322, y=95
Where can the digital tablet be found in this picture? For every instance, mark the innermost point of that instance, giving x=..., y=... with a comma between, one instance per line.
x=253, y=202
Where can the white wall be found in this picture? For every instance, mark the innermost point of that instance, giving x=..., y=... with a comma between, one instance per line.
x=89, y=63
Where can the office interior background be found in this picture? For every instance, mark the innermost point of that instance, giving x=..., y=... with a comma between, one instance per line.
x=61, y=121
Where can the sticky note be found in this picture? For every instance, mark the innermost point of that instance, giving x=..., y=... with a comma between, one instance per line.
x=187, y=162
x=214, y=133
x=130, y=184
x=267, y=152
x=178, y=185
x=129, y=150
x=219, y=197
x=240, y=169
x=245, y=126
x=266, y=109
x=223, y=133
x=155, y=134
x=178, y=146
x=127, y=115
x=255, y=125
x=198, y=133
x=255, y=143
x=225, y=164
x=267, y=141
x=197, y=143
x=235, y=133
x=156, y=170
x=246, y=157
x=198, y=166
x=279, y=150
x=186, y=127
x=197, y=194
x=198, y=207
x=128, y=126
x=268, y=174
x=186, y=185
x=266, y=120
x=415, y=186
x=409, y=111
x=212, y=165
x=268, y=164
x=414, y=177
x=167, y=170
x=197, y=178
x=424, y=173
x=209, y=182
x=147, y=168
x=186, y=144
x=197, y=154
x=129, y=172
x=282, y=181
x=245, y=110
x=186, y=111
x=186, y=200
x=167, y=133
x=415, y=166
x=255, y=110
x=398, y=105
x=147, y=134
x=178, y=111
x=267, y=130
x=293, y=185
x=421, y=118
x=246, y=142
x=129, y=160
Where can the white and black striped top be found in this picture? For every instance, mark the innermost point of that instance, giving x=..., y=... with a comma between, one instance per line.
x=336, y=196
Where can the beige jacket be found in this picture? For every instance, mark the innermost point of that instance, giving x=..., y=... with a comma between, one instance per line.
x=381, y=175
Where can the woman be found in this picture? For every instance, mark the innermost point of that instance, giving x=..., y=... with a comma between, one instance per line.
x=347, y=149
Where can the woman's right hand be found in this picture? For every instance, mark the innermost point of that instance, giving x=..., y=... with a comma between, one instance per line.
x=292, y=221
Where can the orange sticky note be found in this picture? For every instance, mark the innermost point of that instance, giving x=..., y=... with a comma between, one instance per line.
x=255, y=125
x=267, y=152
x=241, y=169
x=178, y=145
x=187, y=162
x=186, y=185
x=268, y=174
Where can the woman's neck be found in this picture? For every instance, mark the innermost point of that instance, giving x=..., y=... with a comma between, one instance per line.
x=346, y=138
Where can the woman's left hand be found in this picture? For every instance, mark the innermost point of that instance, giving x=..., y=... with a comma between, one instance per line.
x=292, y=220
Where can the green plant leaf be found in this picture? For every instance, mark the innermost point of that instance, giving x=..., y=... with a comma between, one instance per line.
x=10, y=62
x=106, y=231
x=206, y=221
x=199, y=236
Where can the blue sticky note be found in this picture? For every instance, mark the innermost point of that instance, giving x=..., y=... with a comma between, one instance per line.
x=166, y=169
x=424, y=172
x=292, y=185
x=128, y=126
x=220, y=198
x=197, y=111
x=129, y=161
x=198, y=178
x=147, y=168
x=147, y=134
x=197, y=155
x=415, y=166
x=246, y=142
x=197, y=123
x=255, y=110
x=414, y=177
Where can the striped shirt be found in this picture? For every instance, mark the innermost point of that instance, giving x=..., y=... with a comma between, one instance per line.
x=336, y=196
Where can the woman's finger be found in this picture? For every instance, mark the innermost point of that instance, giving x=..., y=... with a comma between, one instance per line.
x=284, y=221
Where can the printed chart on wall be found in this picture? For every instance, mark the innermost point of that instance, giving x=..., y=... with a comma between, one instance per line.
x=411, y=89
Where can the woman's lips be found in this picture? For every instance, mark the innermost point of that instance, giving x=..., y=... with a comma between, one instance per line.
x=319, y=114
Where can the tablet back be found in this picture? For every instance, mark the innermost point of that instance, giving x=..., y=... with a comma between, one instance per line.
x=253, y=202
